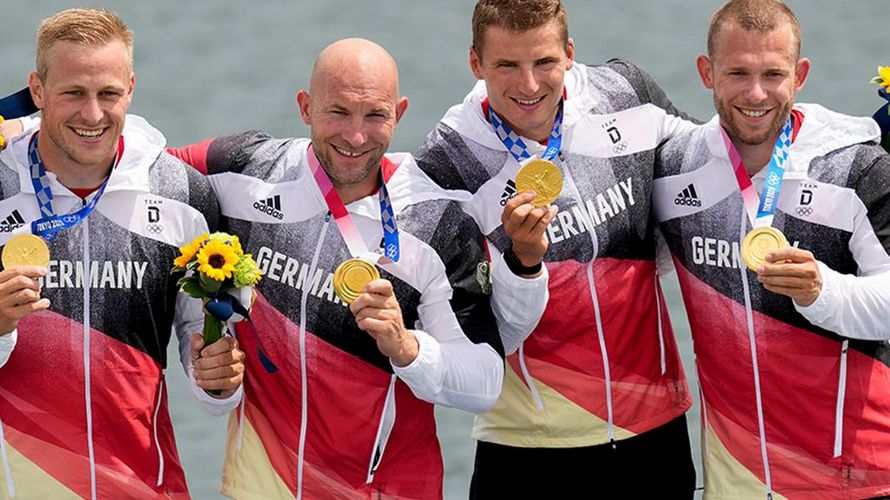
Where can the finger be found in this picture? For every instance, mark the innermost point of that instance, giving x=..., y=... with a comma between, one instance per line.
x=782, y=290
x=20, y=297
x=19, y=282
x=228, y=371
x=522, y=198
x=16, y=313
x=224, y=344
x=790, y=253
x=514, y=219
x=379, y=287
x=787, y=282
x=31, y=272
x=806, y=271
x=196, y=341
x=221, y=384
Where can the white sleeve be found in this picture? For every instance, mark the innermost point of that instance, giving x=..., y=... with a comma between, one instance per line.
x=518, y=303
x=7, y=344
x=189, y=319
x=450, y=369
x=672, y=125
x=857, y=307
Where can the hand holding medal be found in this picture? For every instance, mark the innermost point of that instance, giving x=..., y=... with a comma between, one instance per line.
x=25, y=258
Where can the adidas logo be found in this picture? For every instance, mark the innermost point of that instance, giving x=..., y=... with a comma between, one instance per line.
x=509, y=192
x=11, y=223
x=688, y=197
x=270, y=206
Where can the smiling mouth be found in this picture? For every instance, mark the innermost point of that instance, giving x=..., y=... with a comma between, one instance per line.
x=753, y=113
x=88, y=133
x=347, y=153
x=527, y=102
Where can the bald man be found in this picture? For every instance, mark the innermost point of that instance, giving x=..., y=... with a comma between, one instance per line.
x=350, y=414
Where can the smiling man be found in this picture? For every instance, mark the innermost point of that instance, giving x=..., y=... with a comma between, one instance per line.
x=351, y=413
x=791, y=341
x=594, y=399
x=83, y=337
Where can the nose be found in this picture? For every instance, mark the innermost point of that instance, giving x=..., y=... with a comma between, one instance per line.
x=91, y=112
x=757, y=93
x=354, y=133
x=528, y=83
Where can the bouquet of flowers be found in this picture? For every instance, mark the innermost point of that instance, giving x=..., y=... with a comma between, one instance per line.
x=219, y=272
x=882, y=116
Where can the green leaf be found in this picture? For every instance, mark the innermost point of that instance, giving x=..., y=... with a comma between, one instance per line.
x=193, y=289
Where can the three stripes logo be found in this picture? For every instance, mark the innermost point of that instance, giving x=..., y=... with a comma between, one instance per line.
x=509, y=192
x=270, y=206
x=11, y=223
x=688, y=197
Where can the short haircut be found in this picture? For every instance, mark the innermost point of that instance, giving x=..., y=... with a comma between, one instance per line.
x=762, y=16
x=517, y=15
x=89, y=27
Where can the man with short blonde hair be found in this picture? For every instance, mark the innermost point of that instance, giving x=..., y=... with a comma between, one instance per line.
x=83, y=338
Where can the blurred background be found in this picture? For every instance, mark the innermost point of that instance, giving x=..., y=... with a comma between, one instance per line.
x=213, y=67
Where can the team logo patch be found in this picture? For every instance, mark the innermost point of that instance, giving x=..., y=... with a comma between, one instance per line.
x=270, y=206
x=688, y=197
x=12, y=222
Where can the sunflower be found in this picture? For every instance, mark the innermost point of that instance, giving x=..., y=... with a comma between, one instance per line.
x=883, y=78
x=217, y=260
x=188, y=251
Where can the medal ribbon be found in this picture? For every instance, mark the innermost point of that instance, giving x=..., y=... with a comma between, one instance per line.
x=766, y=203
x=51, y=224
x=517, y=147
x=222, y=306
x=347, y=228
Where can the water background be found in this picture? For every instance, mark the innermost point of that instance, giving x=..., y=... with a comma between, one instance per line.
x=212, y=67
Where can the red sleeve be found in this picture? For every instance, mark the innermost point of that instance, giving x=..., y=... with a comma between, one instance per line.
x=193, y=154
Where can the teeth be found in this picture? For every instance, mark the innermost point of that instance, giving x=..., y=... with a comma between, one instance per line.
x=346, y=153
x=753, y=113
x=529, y=102
x=88, y=133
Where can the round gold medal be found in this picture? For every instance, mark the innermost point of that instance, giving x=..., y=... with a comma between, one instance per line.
x=351, y=277
x=759, y=243
x=542, y=177
x=25, y=250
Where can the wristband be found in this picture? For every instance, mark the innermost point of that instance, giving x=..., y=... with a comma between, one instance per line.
x=516, y=266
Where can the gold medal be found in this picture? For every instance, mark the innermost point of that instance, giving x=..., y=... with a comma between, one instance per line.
x=351, y=277
x=759, y=243
x=542, y=177
x=25, y=250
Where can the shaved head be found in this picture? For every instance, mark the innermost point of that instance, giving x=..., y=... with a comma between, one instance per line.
x=354, y=60
x=352, y=108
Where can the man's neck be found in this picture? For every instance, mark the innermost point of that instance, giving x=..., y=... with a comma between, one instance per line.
x=755, y=158
x=351, y=192
x=69, y=173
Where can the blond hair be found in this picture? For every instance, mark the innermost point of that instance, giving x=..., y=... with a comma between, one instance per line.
x=517, y=15
x=89, y=27
x=762, y=16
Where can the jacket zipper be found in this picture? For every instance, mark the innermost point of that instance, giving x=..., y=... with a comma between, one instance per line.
x=387, y=420
x=303, y=385
x=743, y=270
x=85, y=229
x=154, y=428
x=607, y=372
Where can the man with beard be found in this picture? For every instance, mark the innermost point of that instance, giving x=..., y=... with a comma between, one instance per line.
x=778, y=218
x=350, y=412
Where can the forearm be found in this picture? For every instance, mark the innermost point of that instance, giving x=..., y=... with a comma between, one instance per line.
x=449, y=369
x=856, y=307
x=518, y=303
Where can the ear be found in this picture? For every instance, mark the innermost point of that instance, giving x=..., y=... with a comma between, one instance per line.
x=476, y=63
x=705, y=71
x=401, y=107
x=303, y=104
x=570, y=53
x=801, y=72
x=36, y=88
x=132, y=84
